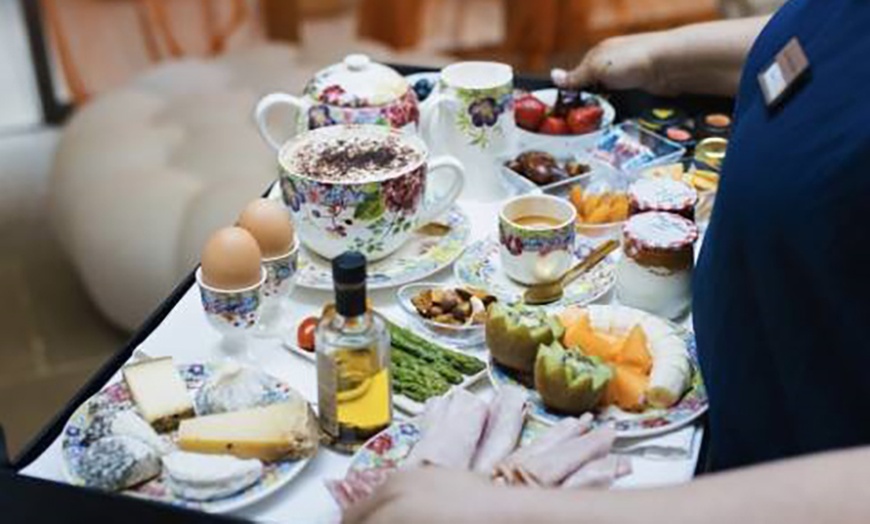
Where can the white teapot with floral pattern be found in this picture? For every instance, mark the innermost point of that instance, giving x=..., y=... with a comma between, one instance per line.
x=353, y=91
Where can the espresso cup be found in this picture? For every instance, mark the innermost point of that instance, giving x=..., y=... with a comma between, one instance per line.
x=536, y=238
x=363, y=188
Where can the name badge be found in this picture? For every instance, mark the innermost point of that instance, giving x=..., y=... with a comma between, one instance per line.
x=780, y=78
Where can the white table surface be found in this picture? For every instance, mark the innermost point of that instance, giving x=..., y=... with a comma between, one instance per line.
x=186, y=335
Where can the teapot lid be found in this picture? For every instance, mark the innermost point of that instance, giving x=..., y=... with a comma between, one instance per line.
x=356, y=81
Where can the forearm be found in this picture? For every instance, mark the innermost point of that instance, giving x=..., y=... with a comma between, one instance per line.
x=830, y=487
x=706, y=58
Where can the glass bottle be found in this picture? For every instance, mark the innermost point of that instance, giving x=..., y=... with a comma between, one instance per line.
x=352, y=346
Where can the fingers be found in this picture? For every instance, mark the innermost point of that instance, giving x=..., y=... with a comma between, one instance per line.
x=589, y=72
x=361, y=512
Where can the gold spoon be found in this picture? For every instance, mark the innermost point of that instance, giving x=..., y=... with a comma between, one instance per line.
x=547, y=293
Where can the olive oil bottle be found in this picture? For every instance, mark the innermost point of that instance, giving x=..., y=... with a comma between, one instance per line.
x=352, y=346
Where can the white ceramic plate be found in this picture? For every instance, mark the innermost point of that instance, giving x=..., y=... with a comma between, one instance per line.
x=420, y=257
x=117, y=396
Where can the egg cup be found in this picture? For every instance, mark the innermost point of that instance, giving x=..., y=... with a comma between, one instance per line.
x=279, y=284
x=234, y=313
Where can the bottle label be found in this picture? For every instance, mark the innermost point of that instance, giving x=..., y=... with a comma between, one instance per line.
x=327, y=386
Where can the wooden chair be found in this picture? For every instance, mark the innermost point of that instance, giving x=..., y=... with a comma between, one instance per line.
x=152, y=33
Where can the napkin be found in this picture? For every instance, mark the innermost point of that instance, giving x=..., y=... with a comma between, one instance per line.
x=676, y=445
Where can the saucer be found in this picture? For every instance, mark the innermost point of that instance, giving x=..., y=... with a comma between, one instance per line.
x=480, y=267
x=421, y=256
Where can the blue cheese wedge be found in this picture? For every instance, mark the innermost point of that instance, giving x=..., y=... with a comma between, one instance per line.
x=287, y=430
x=196, y=476
x=118, y=462
x=159, y=393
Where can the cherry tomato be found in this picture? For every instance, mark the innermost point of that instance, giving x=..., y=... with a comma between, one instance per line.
x=305, y=333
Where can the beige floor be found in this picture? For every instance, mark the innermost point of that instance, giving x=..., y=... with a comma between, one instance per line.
x=51, y=338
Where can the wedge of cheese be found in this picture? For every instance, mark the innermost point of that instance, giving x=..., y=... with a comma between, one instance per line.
x=160, y=394
x=270, y=433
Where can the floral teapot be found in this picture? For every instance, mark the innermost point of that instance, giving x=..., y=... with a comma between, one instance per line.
x=354, y=91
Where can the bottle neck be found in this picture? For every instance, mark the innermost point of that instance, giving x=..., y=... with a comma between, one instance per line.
x=350, y=299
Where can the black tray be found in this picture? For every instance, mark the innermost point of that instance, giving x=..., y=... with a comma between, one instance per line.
x=628, y=104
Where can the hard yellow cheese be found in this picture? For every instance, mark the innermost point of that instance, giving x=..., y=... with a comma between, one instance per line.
x=159, y=392
x=270, y=433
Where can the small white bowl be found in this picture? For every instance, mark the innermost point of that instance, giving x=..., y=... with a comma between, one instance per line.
x=522, y=185
x=456, y=336
x=565, y=145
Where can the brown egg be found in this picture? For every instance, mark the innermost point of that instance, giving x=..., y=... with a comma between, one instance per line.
x=231, y=259
x=269, y=222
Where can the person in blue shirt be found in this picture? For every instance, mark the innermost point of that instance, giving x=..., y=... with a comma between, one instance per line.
x=781, y=304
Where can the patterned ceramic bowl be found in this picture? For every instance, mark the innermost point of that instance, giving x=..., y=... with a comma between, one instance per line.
x=460, y=336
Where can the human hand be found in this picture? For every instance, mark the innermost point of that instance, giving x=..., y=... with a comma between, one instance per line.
x=624, y=62
x=439, y=495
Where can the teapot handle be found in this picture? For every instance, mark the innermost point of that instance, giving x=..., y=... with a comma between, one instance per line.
x=266, y=104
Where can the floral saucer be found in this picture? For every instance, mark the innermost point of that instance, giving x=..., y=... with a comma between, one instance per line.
x=422, y=255
x=649, y=423
x=389, y=448
x=480, y=267
x=116, y=397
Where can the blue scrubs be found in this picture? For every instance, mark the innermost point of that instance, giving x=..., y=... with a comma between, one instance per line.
x=782, y=287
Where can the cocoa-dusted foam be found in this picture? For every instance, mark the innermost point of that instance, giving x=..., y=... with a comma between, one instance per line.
x=361, y=158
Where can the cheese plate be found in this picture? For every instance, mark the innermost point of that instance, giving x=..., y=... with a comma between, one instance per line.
x=84, y=429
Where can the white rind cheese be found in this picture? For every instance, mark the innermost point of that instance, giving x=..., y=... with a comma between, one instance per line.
x=196, y=476
x=286, y=430
x=118, y=462
x=160, y=394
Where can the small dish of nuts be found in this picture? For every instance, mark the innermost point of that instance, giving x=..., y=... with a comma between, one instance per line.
x=454, y=314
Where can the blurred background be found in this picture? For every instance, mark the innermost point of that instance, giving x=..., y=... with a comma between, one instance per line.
x=125, y=138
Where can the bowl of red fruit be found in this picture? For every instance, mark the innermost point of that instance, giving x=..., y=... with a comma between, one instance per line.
x=561, y=122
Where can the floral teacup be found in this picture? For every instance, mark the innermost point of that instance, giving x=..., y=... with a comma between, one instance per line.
x=362, y=188
x=233, y=312
x=471, y=116
x=536, y=237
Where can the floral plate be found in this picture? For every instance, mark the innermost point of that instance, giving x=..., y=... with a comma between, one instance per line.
x=480, y=267
x=116, y=397
x=421, y=256
x=650, y=423
x=389, y=448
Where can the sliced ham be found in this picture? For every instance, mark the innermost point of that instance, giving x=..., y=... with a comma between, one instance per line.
x=600, y=473
x=504, y=425
x=550, y=467
x=561, y=431
x=451, y=434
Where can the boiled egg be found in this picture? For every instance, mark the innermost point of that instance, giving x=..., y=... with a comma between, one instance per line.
x=269, y=222
x=231, y=259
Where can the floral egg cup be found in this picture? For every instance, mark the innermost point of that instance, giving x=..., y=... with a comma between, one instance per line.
x=536, y=238
x=279, y=284
x=234, y=313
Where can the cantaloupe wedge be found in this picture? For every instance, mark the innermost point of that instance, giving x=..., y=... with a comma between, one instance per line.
x=634, y=352
x=580, y=335
x=626, y=389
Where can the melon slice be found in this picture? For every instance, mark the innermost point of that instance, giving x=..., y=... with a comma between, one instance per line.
x=581, y=336
x=626, y=389
x=634, y=352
